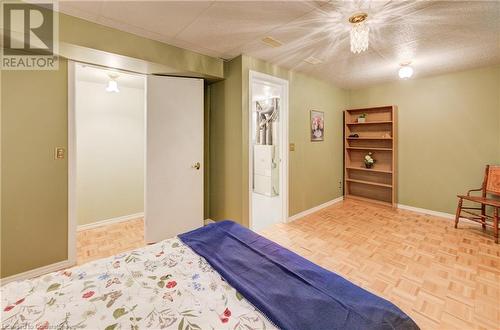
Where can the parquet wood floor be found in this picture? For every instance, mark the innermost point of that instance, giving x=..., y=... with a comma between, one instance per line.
x=444, y=278
x=105, y=241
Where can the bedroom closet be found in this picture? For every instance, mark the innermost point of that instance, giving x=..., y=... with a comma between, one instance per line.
x=135, y=151
x=110, y=141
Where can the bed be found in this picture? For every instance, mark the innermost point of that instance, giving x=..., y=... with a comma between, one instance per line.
x=221, y=276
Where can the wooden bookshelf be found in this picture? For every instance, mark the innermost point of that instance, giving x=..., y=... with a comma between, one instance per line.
x=378, y=135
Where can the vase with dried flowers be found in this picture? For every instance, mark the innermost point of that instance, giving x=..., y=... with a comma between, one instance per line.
x=369, y=161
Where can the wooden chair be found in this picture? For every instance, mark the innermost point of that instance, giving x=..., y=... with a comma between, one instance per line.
x=491, y=186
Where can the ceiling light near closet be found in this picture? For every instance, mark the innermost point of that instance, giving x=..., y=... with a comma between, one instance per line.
x=112, y=84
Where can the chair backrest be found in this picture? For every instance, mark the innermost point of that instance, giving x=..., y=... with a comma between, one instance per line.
x=492, y=179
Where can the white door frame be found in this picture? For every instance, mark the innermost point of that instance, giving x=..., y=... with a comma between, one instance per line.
x=72, y=154
x=263, y=78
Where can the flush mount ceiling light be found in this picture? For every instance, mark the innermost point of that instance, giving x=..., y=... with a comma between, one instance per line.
x=405, y=71
x=112, y=84
x=359, y=33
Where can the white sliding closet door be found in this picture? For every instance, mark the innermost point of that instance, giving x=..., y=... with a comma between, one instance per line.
x=174, y=156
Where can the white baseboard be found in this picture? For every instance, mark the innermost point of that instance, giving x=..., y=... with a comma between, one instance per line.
x=208, y=221
x=445, y=215
x=37, y=272
x=314, y=209
x=426, y=211
x=400, y=206
x=110, y=221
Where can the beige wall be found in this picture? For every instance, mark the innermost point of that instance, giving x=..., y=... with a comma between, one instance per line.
x=34, y=185
x=449, y=129
x=110, y=135
x=315, y=168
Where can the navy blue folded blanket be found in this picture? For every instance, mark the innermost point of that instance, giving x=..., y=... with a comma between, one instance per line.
x=293, y=292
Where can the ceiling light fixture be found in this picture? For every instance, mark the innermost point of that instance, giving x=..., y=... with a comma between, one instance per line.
x=112, y=84
x=405, y=71
x=359, y=33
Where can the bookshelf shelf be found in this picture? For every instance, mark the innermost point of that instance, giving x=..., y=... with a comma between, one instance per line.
x=378, y=135
x=369, y=170
x=370, y=183
x=364, y=199
x=369, y=138
x=372, y=122
x=368, y=148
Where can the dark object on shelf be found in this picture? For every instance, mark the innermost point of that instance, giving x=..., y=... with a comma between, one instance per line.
x=353, y=135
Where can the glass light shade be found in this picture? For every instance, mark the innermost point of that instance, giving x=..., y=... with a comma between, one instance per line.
x=359, y=37
x=405, y=72
x=112, y=86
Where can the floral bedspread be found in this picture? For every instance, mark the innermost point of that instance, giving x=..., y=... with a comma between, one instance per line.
x=165, y=285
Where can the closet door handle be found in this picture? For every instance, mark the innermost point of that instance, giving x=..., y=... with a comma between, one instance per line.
x=196, y=165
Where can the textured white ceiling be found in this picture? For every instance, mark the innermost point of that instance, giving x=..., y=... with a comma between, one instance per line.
x=436, y=36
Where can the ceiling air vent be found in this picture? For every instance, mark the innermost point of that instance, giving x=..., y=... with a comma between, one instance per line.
x=270, y=41
x=313, y=60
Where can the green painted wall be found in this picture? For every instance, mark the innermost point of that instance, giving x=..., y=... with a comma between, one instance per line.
x=34, y=185
x=498, y=100
x=1, y=182
x=225, y=144
x=314, y=168
x=449, y=129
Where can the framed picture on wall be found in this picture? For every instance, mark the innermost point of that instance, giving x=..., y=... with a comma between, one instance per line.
x=317, y=125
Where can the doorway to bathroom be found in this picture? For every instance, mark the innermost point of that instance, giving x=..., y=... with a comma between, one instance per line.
x=268, y=152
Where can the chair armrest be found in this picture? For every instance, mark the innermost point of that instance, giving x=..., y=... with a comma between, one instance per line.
x=479, y=189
